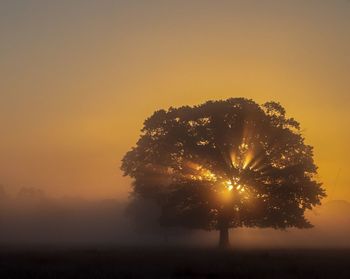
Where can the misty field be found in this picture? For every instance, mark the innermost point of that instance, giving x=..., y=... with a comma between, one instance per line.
x=173, y=262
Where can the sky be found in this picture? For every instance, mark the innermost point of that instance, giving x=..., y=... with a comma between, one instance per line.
x=78, y=78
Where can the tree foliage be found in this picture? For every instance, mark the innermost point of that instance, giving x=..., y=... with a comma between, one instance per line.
x=230, y=163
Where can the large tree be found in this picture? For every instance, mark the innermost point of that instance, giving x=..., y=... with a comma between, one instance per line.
x=225, y=164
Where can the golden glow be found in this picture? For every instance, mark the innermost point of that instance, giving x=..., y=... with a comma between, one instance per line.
x=243, y=156
x=247, y=159
x=256, y=164
x=229, y=185
x=200, y=173
x=234, y=159
x=82, y=106
x=203, y=174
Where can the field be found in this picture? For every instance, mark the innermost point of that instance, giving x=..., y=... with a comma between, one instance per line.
x=173, y=262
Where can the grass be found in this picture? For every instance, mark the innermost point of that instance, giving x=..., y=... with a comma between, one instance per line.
x=146, y=262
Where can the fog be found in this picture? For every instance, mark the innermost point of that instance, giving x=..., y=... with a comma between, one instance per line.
x=30, y=217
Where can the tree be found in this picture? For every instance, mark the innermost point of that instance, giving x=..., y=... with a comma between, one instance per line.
x=225, y=164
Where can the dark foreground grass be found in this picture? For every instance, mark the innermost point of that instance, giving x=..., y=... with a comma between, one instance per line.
x=173, y=262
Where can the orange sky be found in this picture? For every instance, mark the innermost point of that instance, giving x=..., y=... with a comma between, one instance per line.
x=79, y=77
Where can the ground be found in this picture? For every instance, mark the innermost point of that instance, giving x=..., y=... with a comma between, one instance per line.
x=168, y=262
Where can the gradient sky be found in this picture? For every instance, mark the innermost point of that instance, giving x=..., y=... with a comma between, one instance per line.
x=79, y=77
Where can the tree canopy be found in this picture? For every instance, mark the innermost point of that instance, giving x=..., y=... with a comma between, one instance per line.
x=223, y=164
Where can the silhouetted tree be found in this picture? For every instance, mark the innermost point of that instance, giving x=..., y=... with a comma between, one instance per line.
x=225, y=164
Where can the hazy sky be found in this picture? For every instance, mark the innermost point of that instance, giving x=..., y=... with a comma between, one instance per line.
x=79, y=77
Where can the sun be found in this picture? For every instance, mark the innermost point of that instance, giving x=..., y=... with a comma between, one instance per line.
x=200, y=173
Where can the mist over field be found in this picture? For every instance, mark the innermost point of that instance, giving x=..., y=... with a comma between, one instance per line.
x=118, y=117
x=30, y=217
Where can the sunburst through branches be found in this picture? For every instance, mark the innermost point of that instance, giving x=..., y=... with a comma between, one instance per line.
x=241, y=159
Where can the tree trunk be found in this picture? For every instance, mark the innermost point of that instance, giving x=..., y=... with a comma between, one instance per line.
x=224, y=238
